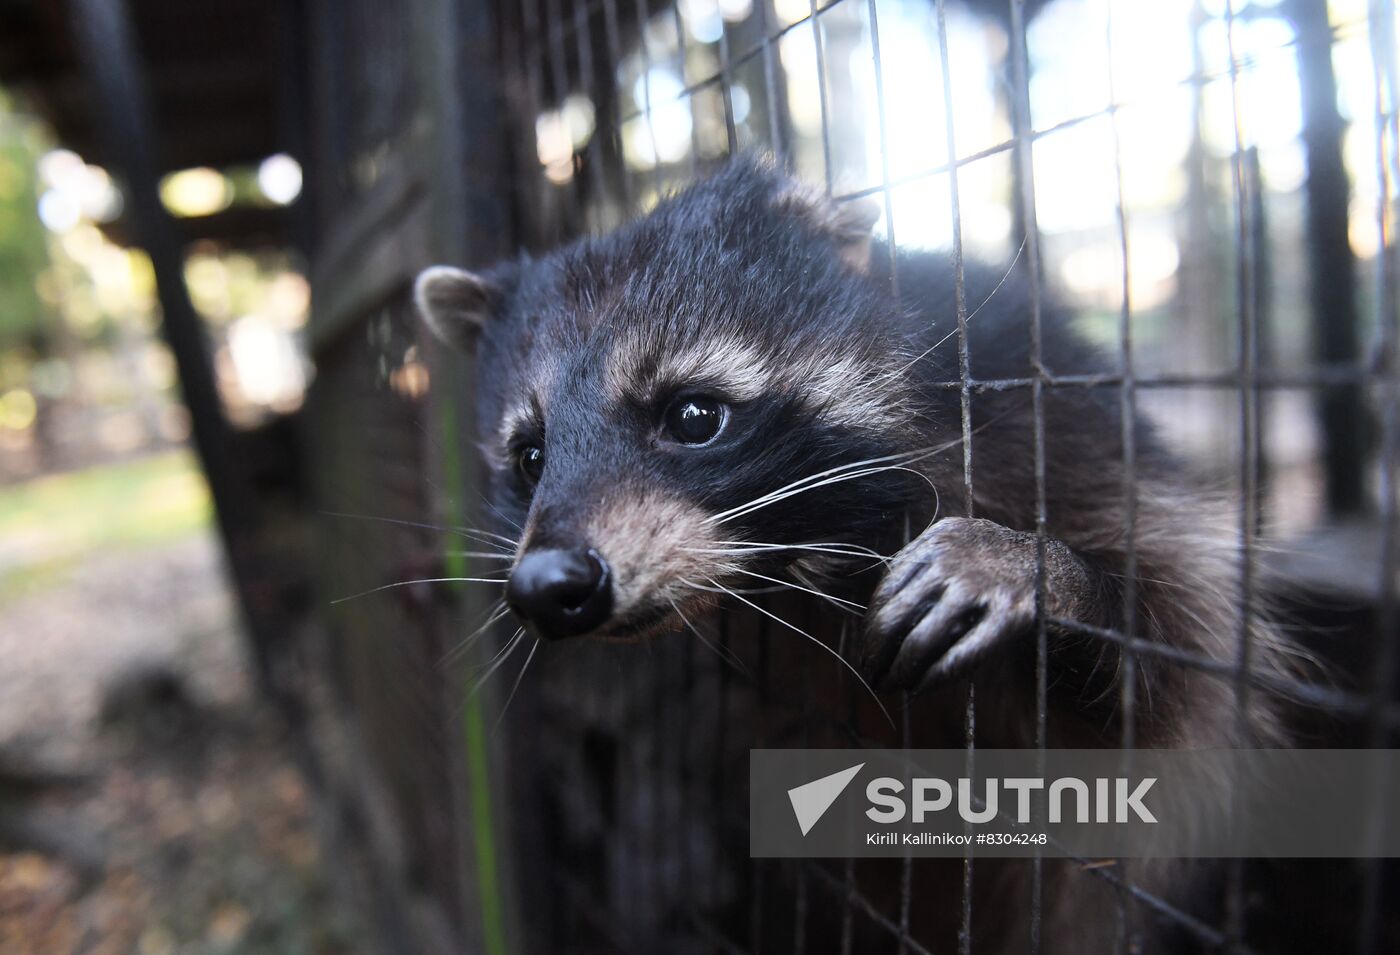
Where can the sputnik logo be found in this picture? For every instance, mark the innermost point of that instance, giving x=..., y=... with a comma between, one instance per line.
x=810, y=801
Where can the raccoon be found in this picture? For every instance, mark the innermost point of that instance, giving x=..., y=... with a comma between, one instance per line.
x=744, y=386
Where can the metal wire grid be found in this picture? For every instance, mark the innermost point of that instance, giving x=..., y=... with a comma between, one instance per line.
x=372, y=501
x=1387, y=120
x=538, y=37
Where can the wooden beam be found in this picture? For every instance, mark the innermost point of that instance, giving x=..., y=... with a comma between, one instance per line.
x=102, y=30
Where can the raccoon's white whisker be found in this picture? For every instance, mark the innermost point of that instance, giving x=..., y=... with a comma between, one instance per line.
x=842, y=660
x=498, y=611
x=971, y=315
x=754, y=551
x=787, y=492
x=425, y=580
x=903, y=369
x=468, y=532
x=508, y=553
x=828, y=546
x=776, y=548
x=911, y=455
x=836, y=475
x=504, y=545
x=494, y=664
x=724, y=656
x=824, y=483
x=900, y=457
x=726, y=590
x=484, y=555
x=515, y=687
x=385, y=520
x=504, y=539
x=806, y=581
x=835, y=547
x=503, y=649
x=499, y=513
x=816, y=593
x=1005, y=275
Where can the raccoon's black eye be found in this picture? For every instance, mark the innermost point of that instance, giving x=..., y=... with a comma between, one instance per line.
x=695, y=420
x=530, y=461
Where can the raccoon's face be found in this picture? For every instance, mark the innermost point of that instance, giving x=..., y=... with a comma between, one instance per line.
x=702, y=402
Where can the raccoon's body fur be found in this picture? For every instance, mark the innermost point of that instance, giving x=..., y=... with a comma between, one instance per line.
x=748, y=303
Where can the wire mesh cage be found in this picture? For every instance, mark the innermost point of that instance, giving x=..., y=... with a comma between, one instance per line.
x=383, y=714
x=1208, y=184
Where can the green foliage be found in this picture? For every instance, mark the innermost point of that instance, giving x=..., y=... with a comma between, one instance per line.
x=23, y=241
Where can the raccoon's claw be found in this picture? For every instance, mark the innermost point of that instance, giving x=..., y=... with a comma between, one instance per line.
x=961, y=588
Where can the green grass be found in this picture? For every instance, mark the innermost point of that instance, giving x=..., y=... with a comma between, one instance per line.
x=48, y=524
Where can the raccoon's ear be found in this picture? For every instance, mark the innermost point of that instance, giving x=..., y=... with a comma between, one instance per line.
x=456, y=304
x=851, y=223
x=848, y=223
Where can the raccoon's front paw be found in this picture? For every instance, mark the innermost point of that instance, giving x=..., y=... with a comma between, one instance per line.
x=961, y=588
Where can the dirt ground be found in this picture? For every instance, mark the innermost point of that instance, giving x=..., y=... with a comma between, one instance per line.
x=147, y=805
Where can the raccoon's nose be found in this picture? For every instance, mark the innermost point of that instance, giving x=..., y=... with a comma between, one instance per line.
x=562, y=592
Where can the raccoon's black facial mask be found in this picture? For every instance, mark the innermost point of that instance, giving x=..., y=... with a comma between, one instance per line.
x=676, y=408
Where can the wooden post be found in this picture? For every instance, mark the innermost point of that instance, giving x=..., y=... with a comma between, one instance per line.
x=122, y=106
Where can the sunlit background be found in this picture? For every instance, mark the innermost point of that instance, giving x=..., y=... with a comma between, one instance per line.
x=111, y=581
x=83, y=375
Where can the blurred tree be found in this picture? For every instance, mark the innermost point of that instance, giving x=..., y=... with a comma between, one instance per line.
x=1336, y=330
x=23, y=242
